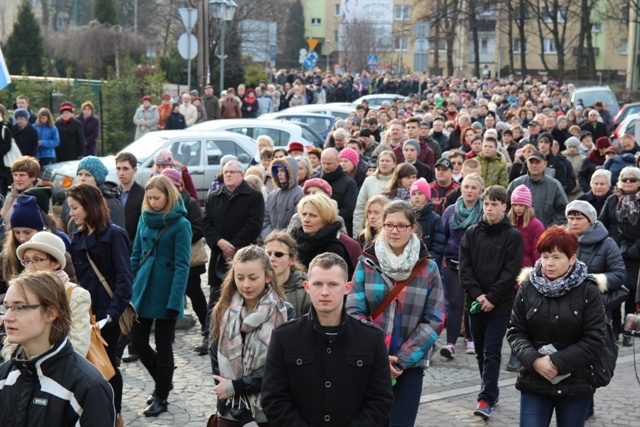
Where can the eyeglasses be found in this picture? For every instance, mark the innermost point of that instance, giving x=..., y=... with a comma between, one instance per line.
x=277, y=254
x=629, y=179
x=17, y=309
x=399, y=227
x=35, y=261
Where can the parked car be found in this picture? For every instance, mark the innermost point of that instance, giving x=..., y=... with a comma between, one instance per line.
x=630, y=125
x=200, y=151
x=625, y=111
x=592, y=94
x=321, y=123
x=337, y=110
x=375, y=101
x=281, y=131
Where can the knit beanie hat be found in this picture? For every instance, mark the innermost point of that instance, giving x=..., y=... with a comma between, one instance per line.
x=351, y=155
x=95, y=167
x=66, y=106
x=45, y=242
x=585, y=208
x=26, y=213
x=164, y=157
x=42, y=195
x=174, y=176
x=572, y=142
x=317, y=182
x=603, y=142
x=413, y=142
x=422, y=186
x=521, y=196
x=21, y=112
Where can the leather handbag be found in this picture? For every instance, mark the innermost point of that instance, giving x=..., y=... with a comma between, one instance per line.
x=213, y=420
x=129, y=315
x=199, y=253
x=97, y=353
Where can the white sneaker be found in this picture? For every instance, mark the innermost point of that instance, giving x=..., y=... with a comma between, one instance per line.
x=471, y=347
x=448, y=351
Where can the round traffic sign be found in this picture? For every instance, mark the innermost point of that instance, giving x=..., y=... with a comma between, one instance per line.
x=421, y=45
x=184, y=48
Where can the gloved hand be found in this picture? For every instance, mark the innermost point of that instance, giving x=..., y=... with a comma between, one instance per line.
x=172, y=314
x=634, y=251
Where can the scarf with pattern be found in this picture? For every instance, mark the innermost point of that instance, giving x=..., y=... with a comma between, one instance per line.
x=560, y=286
x=628, y=209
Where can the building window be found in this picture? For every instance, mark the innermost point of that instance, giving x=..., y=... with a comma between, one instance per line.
x=336, y=36
x=624, y=46
x=560, y=15
x=442, y=45
x=549, y=46
x=401, y=43
x=516, y=46
x=336, y=10
x=624, y=14
x=402, y=12
x=596, y=27
x=316, y=21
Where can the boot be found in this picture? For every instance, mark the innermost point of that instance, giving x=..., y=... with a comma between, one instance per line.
x=157, y=407
x=626, y=341
x=514, y=364
x=119, y=420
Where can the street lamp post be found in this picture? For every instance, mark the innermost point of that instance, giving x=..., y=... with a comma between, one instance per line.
x=224, y=11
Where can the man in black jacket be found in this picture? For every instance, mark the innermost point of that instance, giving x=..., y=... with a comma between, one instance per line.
x=344, y=189
x=233, y=218
x=72, y=144
x=488, y=278
x=327, y=368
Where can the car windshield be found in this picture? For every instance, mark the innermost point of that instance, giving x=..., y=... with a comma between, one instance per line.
x=591, y=97
x=146, y=146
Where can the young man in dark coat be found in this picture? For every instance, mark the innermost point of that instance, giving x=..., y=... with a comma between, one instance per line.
x=345, y=190
x=341, y=372
x=72, y=144
x=233, y=218
x=488, y=278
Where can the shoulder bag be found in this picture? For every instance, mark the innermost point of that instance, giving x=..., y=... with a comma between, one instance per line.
x=199, y=253
x=13, y=154
x=97, y=353
x=396, y=290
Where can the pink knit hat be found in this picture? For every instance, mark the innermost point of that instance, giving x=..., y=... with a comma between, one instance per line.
x=422, y=186
x=521, y=196
x=174, y=176
x=163, y=157
x=351, y=155
x=317, y=182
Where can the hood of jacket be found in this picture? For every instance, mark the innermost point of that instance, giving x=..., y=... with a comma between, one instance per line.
x=503, y=224
x=600, y=279
x=296, y=281
x=290, y=166
x=594, y=236
x=157, y=219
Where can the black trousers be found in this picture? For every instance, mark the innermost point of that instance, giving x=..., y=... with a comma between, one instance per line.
x=111, y=334
x=159, y=362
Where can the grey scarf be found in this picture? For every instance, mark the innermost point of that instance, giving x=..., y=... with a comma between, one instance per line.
x=397, y=267
x=560, y=286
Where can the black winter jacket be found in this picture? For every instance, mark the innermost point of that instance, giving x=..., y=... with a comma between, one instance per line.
x=72, y=145
x=623, y=232
x=25, y=402
x=490, y=260
x=432, y=233
x=574, y=323
x=324, y=240
x=595, y=201
x=27, y=140
x=345, y=192
x=309, y=381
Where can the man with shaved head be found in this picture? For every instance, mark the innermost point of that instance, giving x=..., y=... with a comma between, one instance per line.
x=344, y=188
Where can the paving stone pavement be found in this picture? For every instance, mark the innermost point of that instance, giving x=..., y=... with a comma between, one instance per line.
x=448, y=397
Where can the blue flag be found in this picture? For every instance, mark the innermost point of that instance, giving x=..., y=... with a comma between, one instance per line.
x=5, y=79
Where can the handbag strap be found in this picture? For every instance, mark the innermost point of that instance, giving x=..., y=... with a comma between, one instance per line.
x=397, y=289
x=100, y=276
x=593, y=254
x=153, y=246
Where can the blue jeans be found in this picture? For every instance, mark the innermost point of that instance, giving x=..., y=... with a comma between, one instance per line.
x=406, y=398
x=488, y=331
x=536, y=410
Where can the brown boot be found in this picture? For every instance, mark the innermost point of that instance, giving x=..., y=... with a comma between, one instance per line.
x=119, y=420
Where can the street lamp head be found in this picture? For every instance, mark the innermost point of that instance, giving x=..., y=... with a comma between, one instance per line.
x=222, y=9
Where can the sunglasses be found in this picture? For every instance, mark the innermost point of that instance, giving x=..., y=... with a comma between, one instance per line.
x=277, y=254
x=629, y=179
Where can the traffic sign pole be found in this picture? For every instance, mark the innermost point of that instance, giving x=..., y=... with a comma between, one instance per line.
x=189, y=17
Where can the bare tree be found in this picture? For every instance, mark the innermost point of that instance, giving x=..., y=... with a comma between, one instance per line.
x=359, y=39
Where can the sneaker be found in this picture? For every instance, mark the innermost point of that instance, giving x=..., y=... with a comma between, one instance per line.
x=448, y=351
x=471, y=347
x=483, y=410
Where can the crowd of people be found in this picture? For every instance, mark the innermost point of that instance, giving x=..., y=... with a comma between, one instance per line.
x=490, y=209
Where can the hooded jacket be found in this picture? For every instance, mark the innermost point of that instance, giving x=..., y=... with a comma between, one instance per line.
x=58, y=388
x=282, y=201
x=493, y=170
x=296, y=294
x=616, y=163
x=161, y=280
x=606, y=261
x=491, y=272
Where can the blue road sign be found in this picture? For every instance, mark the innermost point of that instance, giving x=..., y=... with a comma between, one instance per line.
x=311, y=59
x=272, y=53
x=372, y=60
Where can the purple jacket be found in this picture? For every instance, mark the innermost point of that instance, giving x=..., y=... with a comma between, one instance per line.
x=91, y=129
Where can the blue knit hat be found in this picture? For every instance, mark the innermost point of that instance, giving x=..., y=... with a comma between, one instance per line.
x=26, y=213
x=21, y=112
x=95, y=167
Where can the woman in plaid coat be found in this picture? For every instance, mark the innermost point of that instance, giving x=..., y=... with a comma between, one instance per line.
x=414, y=319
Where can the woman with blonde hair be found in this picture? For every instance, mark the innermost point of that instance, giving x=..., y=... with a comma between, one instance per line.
x=160, y=260
x=403, y=176
x=251, y=306
x=373, y=211
x=282, y=250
